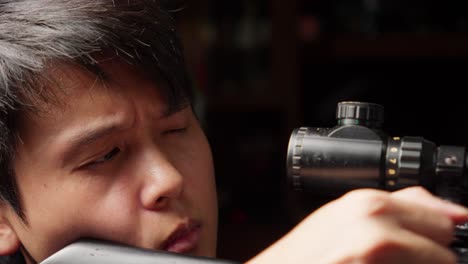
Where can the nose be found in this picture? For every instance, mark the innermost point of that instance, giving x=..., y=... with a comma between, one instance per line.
x=162, y=182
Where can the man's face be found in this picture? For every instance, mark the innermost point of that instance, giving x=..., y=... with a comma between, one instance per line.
x=107, y=162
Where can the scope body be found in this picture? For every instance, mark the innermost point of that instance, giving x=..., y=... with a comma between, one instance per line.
x=357, y=153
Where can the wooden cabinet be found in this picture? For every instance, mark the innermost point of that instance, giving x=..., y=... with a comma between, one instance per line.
x=262, y=68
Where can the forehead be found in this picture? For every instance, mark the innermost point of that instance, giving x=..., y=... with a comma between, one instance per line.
x=66, y=83
x=78, y=96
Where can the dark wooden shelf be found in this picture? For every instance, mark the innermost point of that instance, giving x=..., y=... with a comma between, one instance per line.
x=260, y=101
x=394, y=45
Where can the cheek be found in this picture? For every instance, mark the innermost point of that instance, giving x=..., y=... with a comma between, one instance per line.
x=199, y=179
x=200, y=187
x=73, y=209
x=200, y=191
x=114, y=217
x=196, y=164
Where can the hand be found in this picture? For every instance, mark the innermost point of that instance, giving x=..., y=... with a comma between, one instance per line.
x=371, y=226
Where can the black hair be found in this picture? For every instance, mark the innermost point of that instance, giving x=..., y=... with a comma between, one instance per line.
x=34, y=33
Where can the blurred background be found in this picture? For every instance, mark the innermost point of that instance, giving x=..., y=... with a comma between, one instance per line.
x=264, y=67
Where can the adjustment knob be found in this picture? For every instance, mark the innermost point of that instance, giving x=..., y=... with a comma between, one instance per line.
x=410, y=160
x=360, y=113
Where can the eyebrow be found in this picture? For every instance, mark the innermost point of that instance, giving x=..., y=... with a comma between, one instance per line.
x=89, y=136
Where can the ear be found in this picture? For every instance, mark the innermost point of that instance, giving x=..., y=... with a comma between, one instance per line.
x=9, y=241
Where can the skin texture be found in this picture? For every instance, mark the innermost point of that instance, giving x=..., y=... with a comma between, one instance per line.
x=136, y=183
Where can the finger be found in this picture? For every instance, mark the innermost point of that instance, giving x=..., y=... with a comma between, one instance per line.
x=423, y=220
x=418, y=195
x=405, y=247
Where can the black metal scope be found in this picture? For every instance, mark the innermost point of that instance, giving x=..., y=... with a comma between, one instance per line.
x=356, y=153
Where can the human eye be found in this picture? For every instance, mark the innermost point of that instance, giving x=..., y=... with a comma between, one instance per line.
x=175, y=131
x=107, y=157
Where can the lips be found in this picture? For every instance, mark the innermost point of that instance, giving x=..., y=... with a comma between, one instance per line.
x=184, y=238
